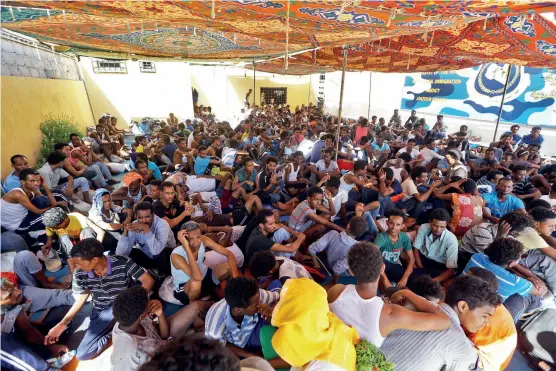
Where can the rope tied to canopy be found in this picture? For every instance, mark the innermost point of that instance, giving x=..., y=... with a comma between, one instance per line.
x=213, y=10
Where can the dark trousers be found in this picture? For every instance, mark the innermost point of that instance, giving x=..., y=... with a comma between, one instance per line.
x=430, y=267
x=18, y=355
x=160, y=261
x=393, y=271
x=517, y=305
x=98, y=334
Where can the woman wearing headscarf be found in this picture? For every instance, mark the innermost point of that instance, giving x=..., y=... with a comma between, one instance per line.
x=108, y=216
x=308, y=336
x=132, y=192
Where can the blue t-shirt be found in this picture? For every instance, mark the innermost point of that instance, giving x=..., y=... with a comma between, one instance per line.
x=508, y=283
x=11, y=182
x=376, y=147
x=201, y=165
x=315, y=152
x=169, y=150
x=499, y=209
x=515, y=137
x=528, y=139
x=156, y=171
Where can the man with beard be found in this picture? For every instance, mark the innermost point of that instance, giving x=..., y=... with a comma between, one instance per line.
x=502, y=201
x=152, y=236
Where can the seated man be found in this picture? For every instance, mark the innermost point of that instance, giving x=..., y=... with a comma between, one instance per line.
x=23, y=206
x=152, y=238
x=412, y=199
x=325, y=166
x=99, y=176
x=496, y=342
x=52, y=172
x=69, y=228
x=235, y=321
x=108, y=216
x=18, y=163
x=523, y=189
x=170, y=209
x=135, y=336
x=488, y=183
x=469, y=303
x=501, y=202
x=436, y=248
x=89, y=155
x=23, y=344
x=268, y=183
x=304, y=217
x=269, y=235
x=337, y=245
x=339, y=199
x=519, y=295
x=193, y=275
x=30, y=272
x=104, y=277
x=392, y=243
x=359, y=305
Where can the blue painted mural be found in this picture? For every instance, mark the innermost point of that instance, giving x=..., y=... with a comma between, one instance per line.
x=477, y=92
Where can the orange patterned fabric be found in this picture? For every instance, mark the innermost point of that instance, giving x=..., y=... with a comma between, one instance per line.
x=387, y=36
x=467, y=211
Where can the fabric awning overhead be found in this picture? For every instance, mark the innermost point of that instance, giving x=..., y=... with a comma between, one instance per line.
x=388, y=36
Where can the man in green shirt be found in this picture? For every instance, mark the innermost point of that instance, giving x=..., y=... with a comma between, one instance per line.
x=392, y=243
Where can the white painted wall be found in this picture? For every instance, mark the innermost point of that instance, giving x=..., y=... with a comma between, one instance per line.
x=386, y=96
x=138, y=94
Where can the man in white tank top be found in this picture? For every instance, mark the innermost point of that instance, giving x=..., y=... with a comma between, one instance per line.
x=360, y=307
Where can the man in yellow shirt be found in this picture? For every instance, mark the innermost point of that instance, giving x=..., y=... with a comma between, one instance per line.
x=69, y=228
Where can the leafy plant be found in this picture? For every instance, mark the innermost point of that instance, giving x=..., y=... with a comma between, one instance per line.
x=370, y=358
x=55, y=129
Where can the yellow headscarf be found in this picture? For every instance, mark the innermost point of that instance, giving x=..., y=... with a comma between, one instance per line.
x=308, y=330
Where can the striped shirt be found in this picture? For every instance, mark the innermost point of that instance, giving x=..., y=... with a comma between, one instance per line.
x=121, y=274
x=485, y=186
x=508, y=283
x=299, y=220
x=478, y=237
x=524, y=187
x=220, y=325
x=431, y=350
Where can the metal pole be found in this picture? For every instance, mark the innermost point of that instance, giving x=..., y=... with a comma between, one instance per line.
x=369, y=107
x=341, y=101
x=254, y=88
x=502, y=102
x=309, y=92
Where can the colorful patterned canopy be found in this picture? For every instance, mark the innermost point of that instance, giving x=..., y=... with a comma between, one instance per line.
x=388, y=36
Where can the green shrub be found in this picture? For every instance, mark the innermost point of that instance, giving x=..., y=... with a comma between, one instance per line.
x=55, y=129
x=370, y=358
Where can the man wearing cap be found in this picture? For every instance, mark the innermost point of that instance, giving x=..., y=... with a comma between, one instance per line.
x=69, y=228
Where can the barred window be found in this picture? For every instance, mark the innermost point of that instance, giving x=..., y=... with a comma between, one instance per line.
x=109, y=66
x=147, y=66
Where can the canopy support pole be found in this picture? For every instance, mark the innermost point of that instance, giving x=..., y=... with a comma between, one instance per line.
x=502, y=102
x=341, y=102
x=254, y=83
x=369, y=106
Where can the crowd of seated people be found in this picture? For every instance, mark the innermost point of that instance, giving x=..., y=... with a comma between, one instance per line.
x=281, y=244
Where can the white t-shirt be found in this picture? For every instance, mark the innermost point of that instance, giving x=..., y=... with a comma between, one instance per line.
x=131, y=351
x=551, y=201
x=200, y=184
x=414, y=152
x=409, y=188
x=428, y=154
x=292, y=269
x=340, y=198
x=320, y=165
